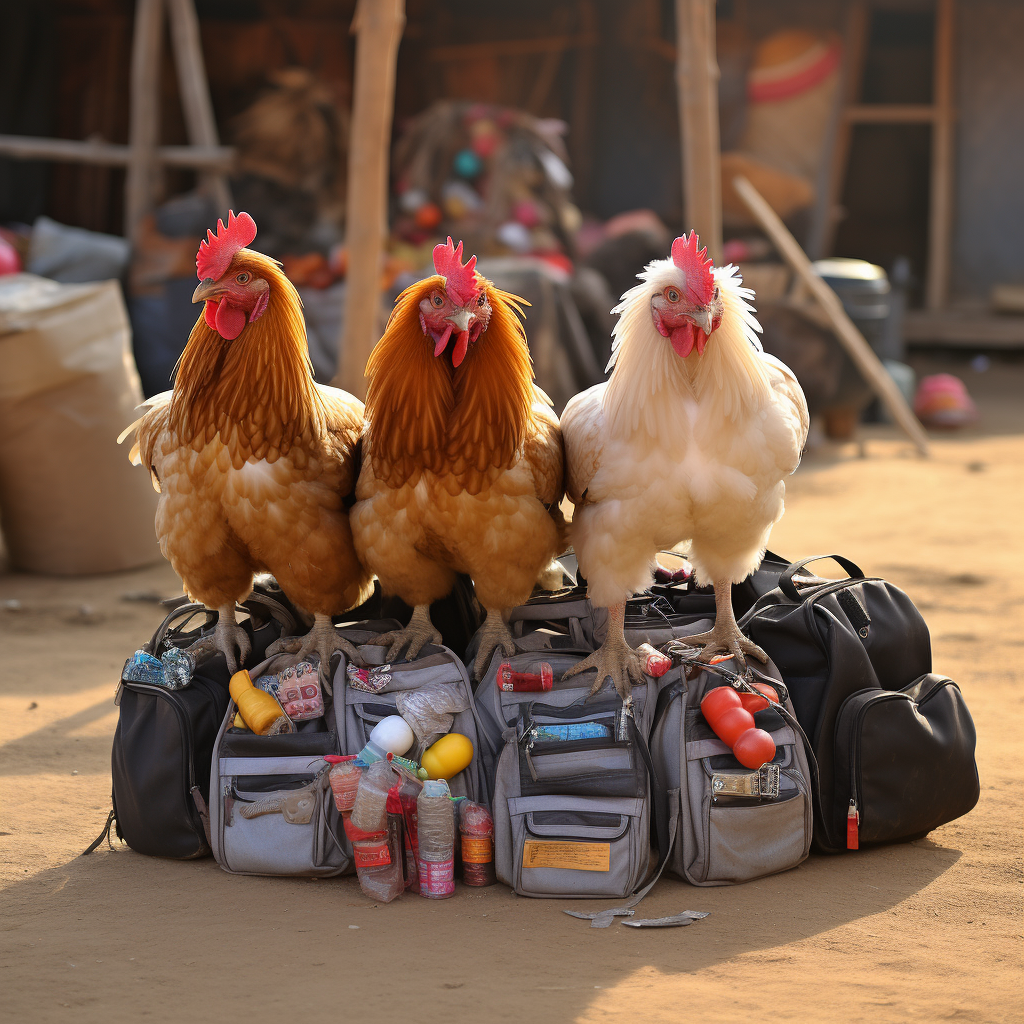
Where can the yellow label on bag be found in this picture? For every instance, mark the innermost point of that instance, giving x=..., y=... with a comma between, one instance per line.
x=542, y=853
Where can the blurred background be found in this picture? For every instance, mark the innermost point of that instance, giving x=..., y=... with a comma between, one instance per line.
x=888, y=135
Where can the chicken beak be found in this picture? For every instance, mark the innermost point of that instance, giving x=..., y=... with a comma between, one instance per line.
x=208, y=289
x=461, y=318
x=701, y=318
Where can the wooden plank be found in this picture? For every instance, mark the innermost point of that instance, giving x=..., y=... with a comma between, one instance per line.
x=852, y=340
x=940, y=214
x=378, y=25
x=697, y=84
x=971, y=329
x=854, y=46
x=891, y=113
x=144, y=115
x=109, y=154
x=510, y=47
x=195, y=95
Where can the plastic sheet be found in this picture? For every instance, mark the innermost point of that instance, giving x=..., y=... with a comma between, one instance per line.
x=430, y=710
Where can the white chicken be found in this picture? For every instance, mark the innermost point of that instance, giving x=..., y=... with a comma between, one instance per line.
x=690, y=439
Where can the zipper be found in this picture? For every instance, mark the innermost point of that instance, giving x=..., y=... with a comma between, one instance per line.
x=853, y=814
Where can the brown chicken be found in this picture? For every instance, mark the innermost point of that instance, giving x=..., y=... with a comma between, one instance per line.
x=252, y=458
x=462, y=455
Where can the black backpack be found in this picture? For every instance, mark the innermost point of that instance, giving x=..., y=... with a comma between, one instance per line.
x=160, y=760
x=894, y=744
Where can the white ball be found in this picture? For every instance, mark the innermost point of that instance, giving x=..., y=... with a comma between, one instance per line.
x=393, y=735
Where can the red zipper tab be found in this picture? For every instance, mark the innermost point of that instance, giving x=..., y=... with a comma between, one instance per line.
x=853, y=827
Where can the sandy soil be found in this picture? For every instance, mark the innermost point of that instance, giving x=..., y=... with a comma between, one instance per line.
x=926, y=931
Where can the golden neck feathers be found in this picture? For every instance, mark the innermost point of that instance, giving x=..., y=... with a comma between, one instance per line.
x=424, y=414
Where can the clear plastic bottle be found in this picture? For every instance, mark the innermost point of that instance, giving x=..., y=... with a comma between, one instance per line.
x=369, y=813
x=436, y=832
x=378, y=860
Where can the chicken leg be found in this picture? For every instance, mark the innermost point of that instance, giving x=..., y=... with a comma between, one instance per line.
x=228, y=636
x=493, y=634
x=415, y=636
x=322, y=638
x=726, y=637
x=614, y=659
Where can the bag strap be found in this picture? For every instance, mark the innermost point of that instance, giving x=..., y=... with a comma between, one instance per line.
x=788, y=587
x=182, y=612
x=666, y=825
x=105, y=834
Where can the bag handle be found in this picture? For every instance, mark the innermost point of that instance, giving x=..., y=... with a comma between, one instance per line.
x=788, y=587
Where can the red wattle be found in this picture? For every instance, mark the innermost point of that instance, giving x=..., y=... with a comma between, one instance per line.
x=210, y=314
x=461, y=347
x=230, y=320
x=683, y=339
x=441, y=341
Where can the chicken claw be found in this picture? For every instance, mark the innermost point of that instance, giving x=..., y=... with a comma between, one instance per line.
x=415, y=636
x=493, y=634
x=726, y=641
x=227, y=636
x=323, y=638
x=615, y=661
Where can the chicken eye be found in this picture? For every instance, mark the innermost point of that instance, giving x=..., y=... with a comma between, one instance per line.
x=437, y=300
x=242, y=278
x=481, y=300
x=716, y=291
x=671, y=294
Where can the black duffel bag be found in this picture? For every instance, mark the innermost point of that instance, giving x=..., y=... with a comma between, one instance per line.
x=160, y=759
x=890, y=768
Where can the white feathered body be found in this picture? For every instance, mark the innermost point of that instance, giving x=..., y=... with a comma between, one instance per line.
x=672, y=450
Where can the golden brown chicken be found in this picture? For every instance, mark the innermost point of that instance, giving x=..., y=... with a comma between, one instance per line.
x=252, y=458
x=462, y=455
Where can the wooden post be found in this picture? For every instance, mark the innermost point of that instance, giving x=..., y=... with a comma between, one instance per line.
x=195, y=95
x=852, y=340
x=144, y=115
x=378, y=25
x=940, y=216
x=826, y=215
x=697, y=83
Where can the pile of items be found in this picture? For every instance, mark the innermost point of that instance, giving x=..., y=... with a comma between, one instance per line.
x=495, y=177
x=406, y=772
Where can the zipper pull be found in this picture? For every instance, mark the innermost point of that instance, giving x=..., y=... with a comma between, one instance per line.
x=853, y=826
x=229, y=804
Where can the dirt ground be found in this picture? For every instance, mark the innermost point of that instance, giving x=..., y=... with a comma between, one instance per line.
x=926, y=931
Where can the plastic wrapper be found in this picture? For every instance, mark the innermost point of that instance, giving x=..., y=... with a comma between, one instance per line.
x=369, y=811
x=430, y=710
x=378, y=861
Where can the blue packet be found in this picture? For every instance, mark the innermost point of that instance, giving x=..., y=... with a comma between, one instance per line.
x=143, y=668
x=571, y=731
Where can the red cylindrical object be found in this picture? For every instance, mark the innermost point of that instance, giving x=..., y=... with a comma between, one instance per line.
x=733, y=724
x=754, y=703
x=754, y=748
x=525, y=682
x=654, y=663
x=476, y=828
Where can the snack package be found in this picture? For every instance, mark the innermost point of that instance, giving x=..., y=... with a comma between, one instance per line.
x=372, y=680
x=298, y=690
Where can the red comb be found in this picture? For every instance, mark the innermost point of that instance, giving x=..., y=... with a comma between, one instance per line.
x=696, y=265
x=460, y=281
x=217, y=252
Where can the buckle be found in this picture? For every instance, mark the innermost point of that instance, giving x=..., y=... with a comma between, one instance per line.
x=762, y=784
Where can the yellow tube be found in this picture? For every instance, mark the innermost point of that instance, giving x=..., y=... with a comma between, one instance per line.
x=259, y=710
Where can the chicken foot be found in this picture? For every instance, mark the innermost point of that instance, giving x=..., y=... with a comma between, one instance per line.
x=323, y=638
x=614, y=659
x=726, y=637
x=493, y=634
x=227, y=636
x=415, y=636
